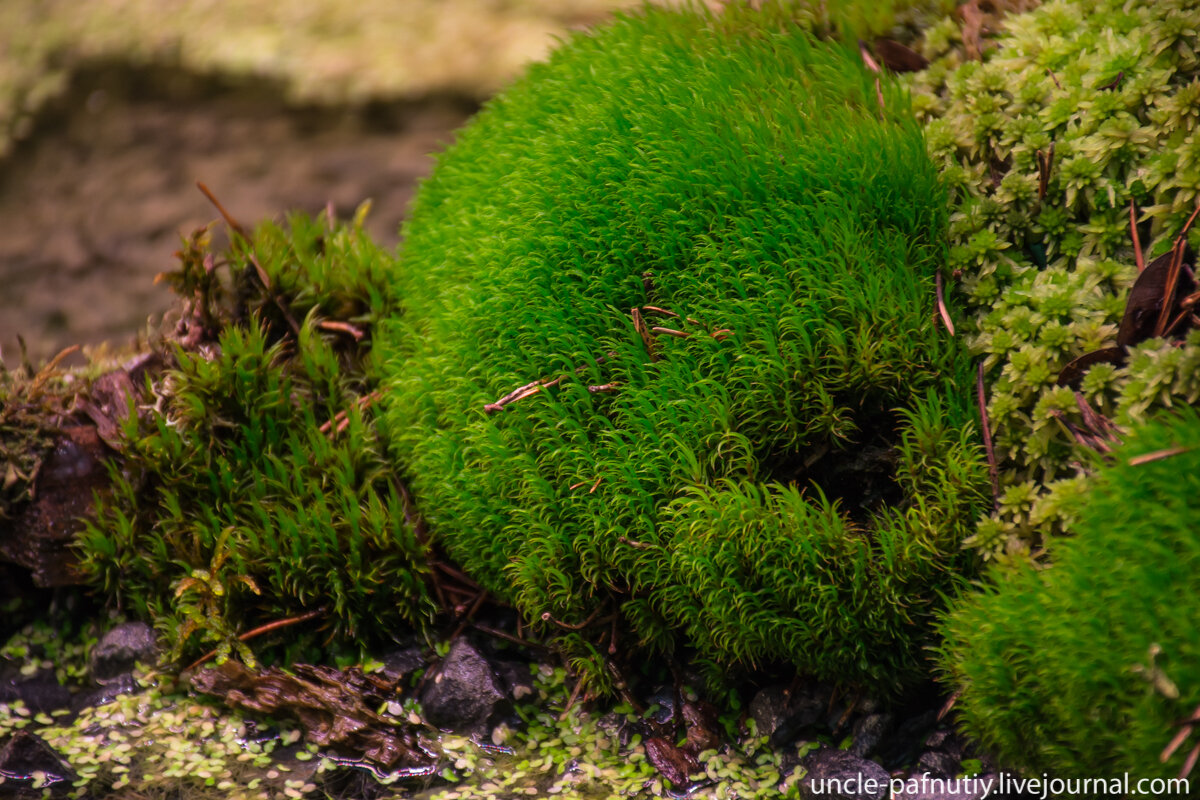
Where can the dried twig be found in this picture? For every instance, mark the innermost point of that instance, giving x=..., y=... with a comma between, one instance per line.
x=639, y=325
x=1157, y=455
x=342, y=327
x=577, y=626
x=993, y=470
x=941, y=303
x=1045, y=161
x=1173, y=273
x=1137, y=243
x=229, y=220
x=260, y=630
x=528, y=390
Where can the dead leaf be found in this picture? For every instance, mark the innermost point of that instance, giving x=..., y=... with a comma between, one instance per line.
x=899, y=58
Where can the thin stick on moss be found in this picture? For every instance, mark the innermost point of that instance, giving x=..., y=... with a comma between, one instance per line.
x=1045, y=161
x=260, y=630
x=941, y=302
x=993, y=470
x=1138, y=256
x=1173, y=273
x=342, y=327
x=229, y=220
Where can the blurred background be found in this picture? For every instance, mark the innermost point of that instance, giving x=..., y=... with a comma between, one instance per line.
x=112, y=110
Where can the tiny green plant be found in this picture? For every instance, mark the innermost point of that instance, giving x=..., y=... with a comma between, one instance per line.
x=253, y=486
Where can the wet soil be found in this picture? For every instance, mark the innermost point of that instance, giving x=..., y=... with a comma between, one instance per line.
x=93, y=205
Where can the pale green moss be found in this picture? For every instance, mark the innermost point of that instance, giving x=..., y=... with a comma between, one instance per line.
x=1115, y=88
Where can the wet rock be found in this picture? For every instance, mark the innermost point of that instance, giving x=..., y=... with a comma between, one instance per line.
x=782, y=715
x=841, y=775
x=41, y=537
x=121, y=649
x=399, y=664
x=902, y=747
x=939, y=764
x=102, y=695
x=40, y=692
x=463, y=694
x=515, y=676
x=662, y=700
x=30, y=767
x=869, y=731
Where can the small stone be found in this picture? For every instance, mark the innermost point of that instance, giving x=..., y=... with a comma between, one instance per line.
x=782, y=716
x=399, y=664
x=466, y=694
x=26, y=760
x=939, y=764
x=869, y=732
x=103, y=695
x=40, y=692
x=119, y=650
x=841, y=775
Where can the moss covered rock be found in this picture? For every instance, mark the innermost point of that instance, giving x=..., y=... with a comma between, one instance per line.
x=1086, y=668
x=668, y=368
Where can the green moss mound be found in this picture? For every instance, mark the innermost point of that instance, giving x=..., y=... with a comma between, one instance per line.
x=253, y=487
x=1107, y=93
x=668, y=369
x=1086, y=668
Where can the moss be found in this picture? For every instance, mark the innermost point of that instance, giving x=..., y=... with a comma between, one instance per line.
x=668, y=354
x=1106, y=91
x=1085, y=668
x=253, y=485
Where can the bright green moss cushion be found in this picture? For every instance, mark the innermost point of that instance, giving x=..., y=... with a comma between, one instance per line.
x=784, y=474
x=1086, y=668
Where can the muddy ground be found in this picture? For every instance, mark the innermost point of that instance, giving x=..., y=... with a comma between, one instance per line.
x=93, y=205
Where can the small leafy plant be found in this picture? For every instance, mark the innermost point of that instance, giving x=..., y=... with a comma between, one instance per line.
x=253, y=485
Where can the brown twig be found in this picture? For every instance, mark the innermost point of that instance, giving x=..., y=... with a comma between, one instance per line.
x=229, y=220
x=993, y=470
x=1157, y=455
x=949, y=704
x=604, y=388
x=670, y=332
x=342, y=327
x=941, y=302
x=508, y=637
x=466, y=618
x=569, y=626
x=1045, y=161
x=571, y=700
x=1138, y=256
x=456, y=574
x=639, y=325
x=260, y=630
x=1173, y=273
x=528, y=390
